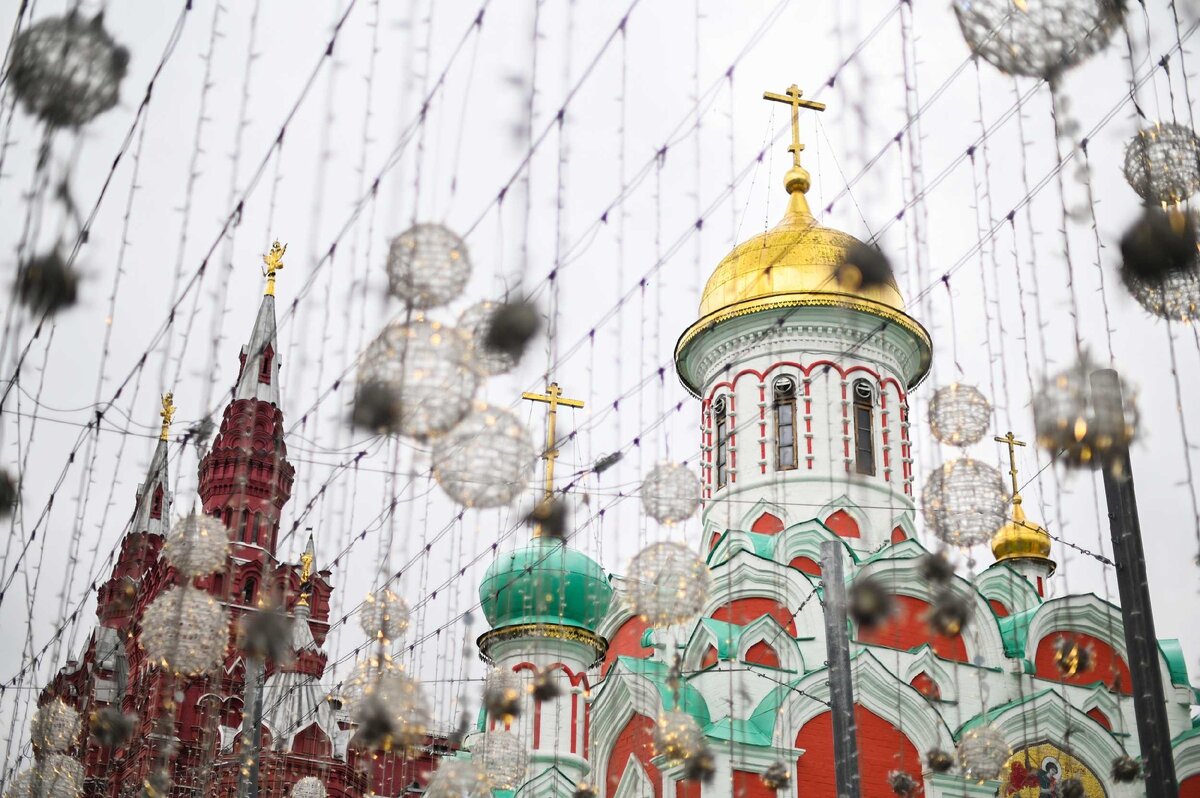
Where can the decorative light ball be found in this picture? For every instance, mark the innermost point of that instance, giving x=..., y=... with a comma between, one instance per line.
x=668, y=584
x=387, y=704
x=678, y=737
x=1080, y=424
x=67, y=70
x=777, y=777
x=55, y=727
x=197, y=545
x=1126, y=769
x=939, y=761
x=384, y=616
x=503, y=758
x=427, y=266
x=486, y=460
x=476, y=321
x=959, y=415
x=982, y=752
x=868, y=602
x=1039, y=38
x=422, y=369
x=964, y=502
x=1173, y=295
x=902, y=784
x=54, y=776
x=308, y=787
x=458, y=778
x=1162, y=163
x=949, y=613
x=1071, y=657
x=502, y=691
x=185, y=629
x=670, y=493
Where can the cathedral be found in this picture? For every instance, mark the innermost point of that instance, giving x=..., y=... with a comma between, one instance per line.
x=805, y=438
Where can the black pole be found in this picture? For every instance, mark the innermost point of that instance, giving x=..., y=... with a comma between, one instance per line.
x=841, y=687
x=1149, y=701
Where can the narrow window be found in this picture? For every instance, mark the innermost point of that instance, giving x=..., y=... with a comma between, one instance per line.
x=264, y=372
x=248, y=592
x=156, y=503
x=785, y=424
x=721, y=418
x=864, y=437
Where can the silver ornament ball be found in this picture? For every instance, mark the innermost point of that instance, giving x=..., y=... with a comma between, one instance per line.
x=667, y=583
x=964, y=502
x=55, y=727
x=1175, y=295
x=503, y=758
x=186, y=630
x=384, y=616
x=959, y=415
x=54, y=776
x=982, y=752
x=678, y=737
x=197, y=545
x=458, y=778
x=1080, y=424
x=308, y=787
x=427, y=266
x=670, y=493
x=476, y=321
x=1162, y=163
x=486, y=460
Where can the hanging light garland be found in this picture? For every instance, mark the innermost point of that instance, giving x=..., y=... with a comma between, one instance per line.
x=667, y=583
x=502, y=695
x=196, y=545
x=308, y=787
x=427, y=266
x=1037, y=39
x=486, y=460
x=384, y=616
x=54, y=776
x=1162, y=163
x=959, y=414
x=478, y=322
x=502, y=757
x=982, y=752
x=964, y=502
x=186, y=630
x=458, y=778
x=1079, y=423
x=55, y=727
x=670, y=493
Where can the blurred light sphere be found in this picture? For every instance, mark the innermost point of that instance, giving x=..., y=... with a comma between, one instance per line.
x=502, y=691
x=420, y=369
x=503, y=758
x=486, y=460
x=458, y=778
x=1079, y=424
x=388, y=705
x=982, y=752
x=384, y=616
x=55, y=727
x=476, y=321
x=67, y=70
x=1162, y=163
x=959, y=414
x=678, y=738
x=427, y=266
x=54, y=776
x=670, y=493
x=197, y=545
x=308, y=787
x=778, y=776
x=1037, y=38
x=667, y=583
x=1174, y=295
x=186, y=630
x=964, y=502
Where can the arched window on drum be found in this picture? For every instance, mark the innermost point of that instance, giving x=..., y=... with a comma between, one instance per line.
x=785, y=423
x=864, y=427
x=721, y=426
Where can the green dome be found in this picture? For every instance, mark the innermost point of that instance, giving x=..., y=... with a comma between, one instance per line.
x=545, y=582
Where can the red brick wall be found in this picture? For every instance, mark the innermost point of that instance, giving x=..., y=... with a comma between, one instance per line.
x=743, y=611
x=906, y=629
x=882, y=748
x=627, y=642
x=1107, y=665
x=842, y=524
x=750, y=785
x=806, y=565
x=767, y=524
x=636, y=739
x=761, y=653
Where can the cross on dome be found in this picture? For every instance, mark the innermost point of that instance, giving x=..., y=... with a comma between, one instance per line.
x=553, y=397
x=792, y=98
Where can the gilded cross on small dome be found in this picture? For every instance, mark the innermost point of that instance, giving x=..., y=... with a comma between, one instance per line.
x=553, y=397
x=792, y=98
x=274, y=262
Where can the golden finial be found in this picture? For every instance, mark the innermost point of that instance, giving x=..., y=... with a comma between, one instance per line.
x=167, y=413
x=554, y=398
x=306, y=568
x=274, y=262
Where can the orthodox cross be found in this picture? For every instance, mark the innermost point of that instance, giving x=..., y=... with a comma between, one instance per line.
x=274, y=262
x=167, y=413
x=1013, y=443
x=554, y=398
x=792, y=98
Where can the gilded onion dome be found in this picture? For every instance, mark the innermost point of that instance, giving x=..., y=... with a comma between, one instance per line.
x=1021, y=539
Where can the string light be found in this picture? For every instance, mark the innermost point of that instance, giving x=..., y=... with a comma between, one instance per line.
x=477, y=321
x=384, y=616
x=982, y=752
x=1162, y=163
x=964, y=502
x=180, y=630
x=427, y=266
x=486, y=460
x=55, y=727
x=668, y=584
x=959, y=414
x=670, y=493
x=503, y=758
x=196, y=545
x=1080, y=422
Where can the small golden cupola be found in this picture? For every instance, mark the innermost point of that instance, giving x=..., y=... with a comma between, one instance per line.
x=1020, y=539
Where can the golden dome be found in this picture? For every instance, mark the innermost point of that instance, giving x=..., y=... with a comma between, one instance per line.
x=1020, y=539
x=795, y=259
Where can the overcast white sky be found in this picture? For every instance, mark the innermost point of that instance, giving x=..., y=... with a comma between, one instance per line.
x=637, y=95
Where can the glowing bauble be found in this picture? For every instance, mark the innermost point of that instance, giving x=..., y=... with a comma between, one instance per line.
x=486, y=460
x=903, y=784
x=678, y=738
x=54, y=776
x=67, y=70
x=196, y=545
x=503, y=758
x=55, y=727
x=1174, y=295
x=949, y=613
x=419, y=371
x=427, y=266
x=964, y=502
x=1037, y=38
x=982, y=752
x=502, y=691
x=458, y=778
x=1072, y=658
x=1081, y=423
x=667, y=583
x=384, y=616
x=670, y=493
x=308, y=787
x=186, y=630
x=777, y=777
x=477, y=321
x=1162, y=164
x=388, y=705
x=959, y=415
x=46, y=283
x=1126, y=769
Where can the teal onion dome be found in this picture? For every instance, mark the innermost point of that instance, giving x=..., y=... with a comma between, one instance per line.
x=545, y=582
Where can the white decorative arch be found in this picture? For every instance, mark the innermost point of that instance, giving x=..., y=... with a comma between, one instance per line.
x=930, y=663
x=877, y=689
x=804, y=540
x=747, y=575
x=1103, y=699
x=851, y=508
x=1048, y=717
x=1010, y=588
x=1187, y=756
x=616, y=701
x=762, y=506
x=550, y=783
x=698, y=643
x=907, y=524
x=635, y=782
x=1083, y=612
x=768, y=630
